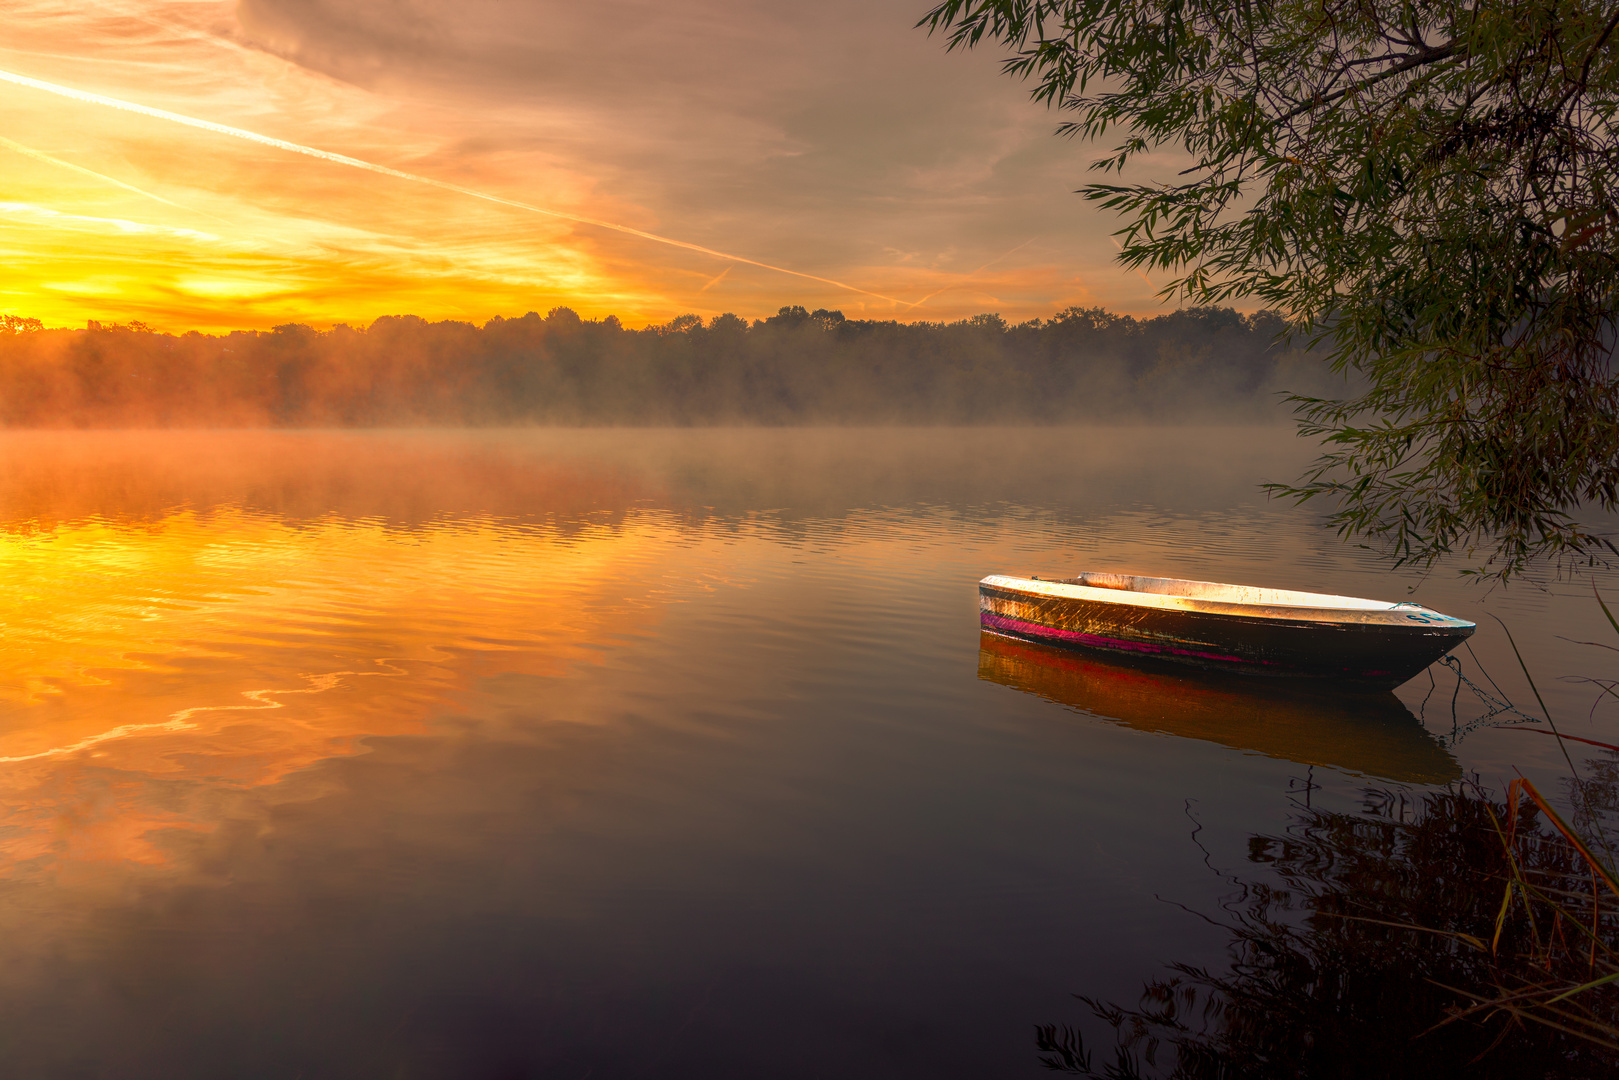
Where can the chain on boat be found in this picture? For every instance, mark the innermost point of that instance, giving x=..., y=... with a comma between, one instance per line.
x=1494, y=705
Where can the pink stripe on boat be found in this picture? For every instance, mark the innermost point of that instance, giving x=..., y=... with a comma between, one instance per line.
x=1023, y=628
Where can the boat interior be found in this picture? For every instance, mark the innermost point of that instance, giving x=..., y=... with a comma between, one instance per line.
x=1231, y=594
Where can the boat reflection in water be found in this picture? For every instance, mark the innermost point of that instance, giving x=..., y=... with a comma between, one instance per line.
x=1374, y=735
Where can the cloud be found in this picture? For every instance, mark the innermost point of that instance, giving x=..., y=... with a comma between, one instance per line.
x=834, y=140
x=355, y=40
x=356, y=163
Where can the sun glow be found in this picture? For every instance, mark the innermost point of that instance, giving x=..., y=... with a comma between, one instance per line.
x=397, y=174
x=152, y=147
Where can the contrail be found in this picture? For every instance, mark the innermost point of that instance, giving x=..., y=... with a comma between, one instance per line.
x=972, y=275
x=42, y=156
x=1140, y=271
x=716, y=280
x=56, y=217
x=356, y=163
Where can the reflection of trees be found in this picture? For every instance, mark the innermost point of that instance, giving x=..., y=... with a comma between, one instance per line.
x=1326, y=979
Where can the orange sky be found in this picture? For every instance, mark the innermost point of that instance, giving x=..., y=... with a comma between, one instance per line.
x=829, y=139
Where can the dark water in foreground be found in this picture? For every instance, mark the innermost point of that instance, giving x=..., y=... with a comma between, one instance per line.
x=636, y=754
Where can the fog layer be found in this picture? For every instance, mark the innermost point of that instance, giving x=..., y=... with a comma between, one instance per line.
x=797, y=367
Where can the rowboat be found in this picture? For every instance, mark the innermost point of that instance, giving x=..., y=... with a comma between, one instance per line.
x=1368, y=644
x=1372, y=734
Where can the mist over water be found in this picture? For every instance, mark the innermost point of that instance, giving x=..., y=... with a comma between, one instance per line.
x=794, y=368
x=648, y=752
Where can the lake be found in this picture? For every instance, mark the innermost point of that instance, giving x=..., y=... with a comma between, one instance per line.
x=626, y=753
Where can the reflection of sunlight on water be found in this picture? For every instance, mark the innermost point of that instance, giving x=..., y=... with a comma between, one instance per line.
x=327, y=751
x=193, y=614
x=143, y=666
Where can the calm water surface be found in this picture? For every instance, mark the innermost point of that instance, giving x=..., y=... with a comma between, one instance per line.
x=636, y=754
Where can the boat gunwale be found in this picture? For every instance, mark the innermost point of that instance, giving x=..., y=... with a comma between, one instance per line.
x=1406, y=615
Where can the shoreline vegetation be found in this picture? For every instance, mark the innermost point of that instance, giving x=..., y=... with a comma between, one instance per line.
x=1452, y=932
x=797, y=367
x=1449, y=933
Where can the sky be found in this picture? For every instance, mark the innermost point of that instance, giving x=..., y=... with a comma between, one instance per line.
x=237, y=164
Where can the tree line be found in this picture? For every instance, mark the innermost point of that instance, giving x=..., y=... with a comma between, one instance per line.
x=796, y=367
x=1437, y=193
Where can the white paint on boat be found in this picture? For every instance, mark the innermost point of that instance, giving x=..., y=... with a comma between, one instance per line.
x=1249, y=601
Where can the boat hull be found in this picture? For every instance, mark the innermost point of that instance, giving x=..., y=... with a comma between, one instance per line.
x=1352, y=650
